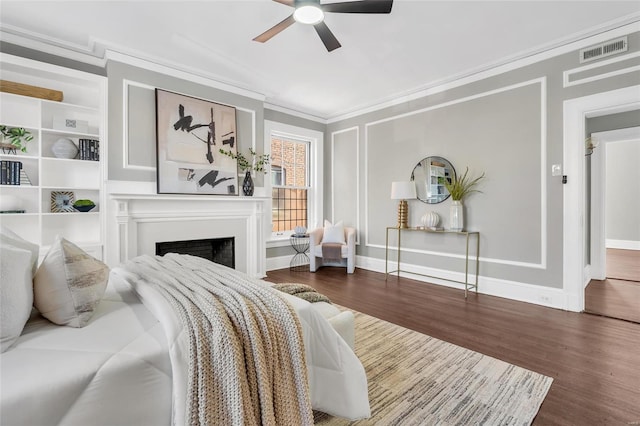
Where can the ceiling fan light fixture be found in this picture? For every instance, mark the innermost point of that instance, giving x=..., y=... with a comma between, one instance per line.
x=310, y=14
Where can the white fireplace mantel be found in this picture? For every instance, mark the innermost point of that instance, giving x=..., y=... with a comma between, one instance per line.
x=138, y=221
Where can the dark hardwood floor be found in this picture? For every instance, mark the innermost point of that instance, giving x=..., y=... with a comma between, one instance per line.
x=594, y=360
x=618, y=296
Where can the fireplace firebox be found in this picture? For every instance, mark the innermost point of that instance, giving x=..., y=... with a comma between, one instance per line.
x=218, y=250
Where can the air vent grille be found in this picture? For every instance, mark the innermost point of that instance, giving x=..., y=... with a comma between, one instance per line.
x=604, y=49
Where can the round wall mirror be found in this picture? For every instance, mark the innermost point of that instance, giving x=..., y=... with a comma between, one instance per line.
x=429, y=175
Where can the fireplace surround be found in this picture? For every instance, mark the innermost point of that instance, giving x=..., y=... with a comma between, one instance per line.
x=138, y=221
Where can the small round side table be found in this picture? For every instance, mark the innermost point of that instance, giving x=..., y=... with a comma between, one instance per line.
x=300, y=261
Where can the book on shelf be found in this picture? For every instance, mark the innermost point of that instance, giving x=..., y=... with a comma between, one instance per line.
x=10, y=172
x=89, y=149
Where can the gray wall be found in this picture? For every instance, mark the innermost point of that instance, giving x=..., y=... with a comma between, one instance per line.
x=509, y=126
x=622, y=208
x=139, y=138
x=621, y=120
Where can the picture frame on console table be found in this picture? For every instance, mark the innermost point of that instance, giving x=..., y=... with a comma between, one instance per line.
x=189, y=135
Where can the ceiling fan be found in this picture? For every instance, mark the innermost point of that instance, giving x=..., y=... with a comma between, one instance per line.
x=311, y=12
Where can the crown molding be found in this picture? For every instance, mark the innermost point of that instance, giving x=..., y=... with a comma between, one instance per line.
x=180, y=72
x=98, y=52
x=596, y=35
x=91, y=54
x=295, y=113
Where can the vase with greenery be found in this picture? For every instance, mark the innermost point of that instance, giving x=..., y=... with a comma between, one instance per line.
x=14, y=138
x=255, y=162
x=459, y=188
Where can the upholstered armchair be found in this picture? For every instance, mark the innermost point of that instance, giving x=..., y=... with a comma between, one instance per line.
x=332, y=234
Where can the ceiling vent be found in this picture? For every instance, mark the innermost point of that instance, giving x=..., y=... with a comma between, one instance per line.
x=605, y=49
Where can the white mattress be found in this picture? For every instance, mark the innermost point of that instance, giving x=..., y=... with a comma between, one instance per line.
x=114, y=371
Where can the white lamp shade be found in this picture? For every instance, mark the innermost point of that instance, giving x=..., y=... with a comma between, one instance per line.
x=403, y=190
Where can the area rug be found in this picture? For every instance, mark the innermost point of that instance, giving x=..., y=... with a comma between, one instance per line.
x=415, y=379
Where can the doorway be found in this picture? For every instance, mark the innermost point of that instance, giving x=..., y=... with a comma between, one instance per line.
x=576, y=269
x=612, y=169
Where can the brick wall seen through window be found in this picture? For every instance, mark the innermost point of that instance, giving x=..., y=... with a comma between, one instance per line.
x=290, y=183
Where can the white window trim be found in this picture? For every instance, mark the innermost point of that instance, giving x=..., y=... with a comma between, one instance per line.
x=316, y=161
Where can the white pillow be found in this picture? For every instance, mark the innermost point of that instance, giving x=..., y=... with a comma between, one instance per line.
x=69, y=284
x=18, y=260
x=333, y=233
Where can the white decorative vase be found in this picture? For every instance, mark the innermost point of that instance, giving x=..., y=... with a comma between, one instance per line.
x=456, y=216
x=430, y=219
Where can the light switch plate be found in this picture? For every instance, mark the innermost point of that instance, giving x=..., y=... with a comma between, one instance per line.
x=556, y=170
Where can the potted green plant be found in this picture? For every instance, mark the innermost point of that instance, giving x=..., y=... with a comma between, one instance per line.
x=459, y=187
x=256, y=162
x=14, y=138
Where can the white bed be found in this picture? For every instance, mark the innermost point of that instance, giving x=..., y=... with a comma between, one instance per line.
x=118, y=368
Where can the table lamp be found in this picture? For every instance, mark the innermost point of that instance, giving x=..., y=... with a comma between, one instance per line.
x=403, y=191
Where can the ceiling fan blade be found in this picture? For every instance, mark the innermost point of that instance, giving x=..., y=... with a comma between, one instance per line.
x=287, y=2
x=275, y=29
x=367, y=6
x=330, y=41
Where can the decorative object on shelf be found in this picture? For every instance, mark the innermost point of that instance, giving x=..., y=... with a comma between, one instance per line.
x=64, y=148
x=188, y=129
x=590, y=145
x=14, y=138
x=459, y=188
x=429, y=175
x=32, y=91
x=430, y=220
x=11, y=204
x=403, y=191
x=62, y=201
x=300, y=230
x=24, y=179
x=68, y=124
x=257, y=163
x=84, y=205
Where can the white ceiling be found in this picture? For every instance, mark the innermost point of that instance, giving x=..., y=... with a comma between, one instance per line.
x=420, y=44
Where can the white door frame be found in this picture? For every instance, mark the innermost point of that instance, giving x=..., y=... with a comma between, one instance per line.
x=599, y=195
x=576, y=111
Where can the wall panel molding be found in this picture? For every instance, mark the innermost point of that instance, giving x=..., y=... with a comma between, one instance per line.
x=542, y=82
x=566, y=76
x=357, y=183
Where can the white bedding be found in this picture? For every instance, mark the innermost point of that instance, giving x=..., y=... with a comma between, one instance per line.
x=114, y=371
x=117, y=369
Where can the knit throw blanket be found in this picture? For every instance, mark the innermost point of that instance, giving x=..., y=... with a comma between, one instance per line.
x=246, y=355
x=303, y=291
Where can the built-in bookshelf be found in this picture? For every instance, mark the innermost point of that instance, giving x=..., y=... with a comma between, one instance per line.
x=28, y=207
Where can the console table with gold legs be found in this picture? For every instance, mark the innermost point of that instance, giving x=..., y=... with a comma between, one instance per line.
x=467, y=234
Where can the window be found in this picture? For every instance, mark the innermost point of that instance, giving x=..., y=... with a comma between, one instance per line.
x=290, y=183
x=295, y=181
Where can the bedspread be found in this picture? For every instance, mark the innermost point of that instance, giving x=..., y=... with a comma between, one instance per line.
x=246, y=360
x=336, y=378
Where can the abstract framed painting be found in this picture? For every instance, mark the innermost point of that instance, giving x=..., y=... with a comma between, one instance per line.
x=189, y=134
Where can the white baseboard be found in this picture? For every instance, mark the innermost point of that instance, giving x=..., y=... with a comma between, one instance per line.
x=279, y=262
x=523, y=292
x=623, y=244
